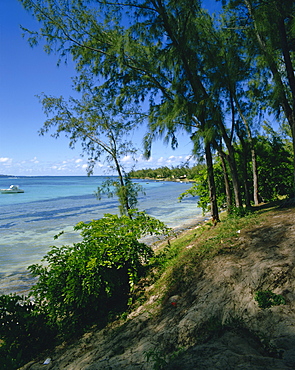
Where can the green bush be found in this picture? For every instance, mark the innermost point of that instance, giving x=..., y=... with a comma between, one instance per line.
x=267, y=299
x=23, y=331
x=81, y=284
x=77, y=286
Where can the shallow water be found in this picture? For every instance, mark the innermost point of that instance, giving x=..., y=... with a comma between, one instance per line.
x=49, y=205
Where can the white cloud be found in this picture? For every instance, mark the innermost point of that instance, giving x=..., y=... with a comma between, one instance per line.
x=6, y=165
x=5, y=160
x=127, y=158
x=78, y=166
x=154, y=162
x=141, y=158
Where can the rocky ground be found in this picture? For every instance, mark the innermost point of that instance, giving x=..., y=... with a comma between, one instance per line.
x=214, y=323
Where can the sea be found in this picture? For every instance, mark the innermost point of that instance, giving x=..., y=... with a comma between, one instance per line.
x=49, y=205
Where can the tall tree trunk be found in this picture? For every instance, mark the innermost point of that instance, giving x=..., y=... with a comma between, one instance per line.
x=255, y=174
x=291, y=81
x=124, y=200
x=230, y=157
x=284, y=102
x=253, y=152
x=211, y=183
x=200, y=92
x=124, y=192
x=234, y=176
x=226, y=184
x=244, y=169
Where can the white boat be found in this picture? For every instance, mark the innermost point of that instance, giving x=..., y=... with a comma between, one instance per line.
x=12, y=189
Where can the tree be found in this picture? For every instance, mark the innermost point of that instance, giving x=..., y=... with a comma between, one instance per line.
x=274, y=160
x=151, y=51
x=125, y=190
x=201, y=185
x=269, y=29
x=85, y=121
x=134, y=62
x=235, y=73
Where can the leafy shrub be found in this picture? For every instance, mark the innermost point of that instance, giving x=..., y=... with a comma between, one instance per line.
x=23, y=332
x=127, y=194
x=156, y=358
x=267, y=299
x=200, y=188
x=83, y=283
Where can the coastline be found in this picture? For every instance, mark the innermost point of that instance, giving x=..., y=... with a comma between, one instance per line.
x=20, y=283
x=29, y=223
x=156, y=241
x=181, y=180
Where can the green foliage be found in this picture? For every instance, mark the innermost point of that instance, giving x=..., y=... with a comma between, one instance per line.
x=102, y=139
x=201, y=189
x=178, y=172
x=157, y=358
x=81, y=284
x=267, y=299
x=206, y=78
x=125, y=190
x=77, y=286
x=274, y=167
x=177, y=264
x=23, y=331
x=238, y=212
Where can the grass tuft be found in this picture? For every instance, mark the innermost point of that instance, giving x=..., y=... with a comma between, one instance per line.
x=176, y=263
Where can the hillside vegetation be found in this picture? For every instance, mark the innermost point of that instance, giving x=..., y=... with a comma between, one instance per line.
x=218, y=298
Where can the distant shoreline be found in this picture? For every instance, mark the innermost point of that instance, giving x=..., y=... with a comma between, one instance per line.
x=181, y=180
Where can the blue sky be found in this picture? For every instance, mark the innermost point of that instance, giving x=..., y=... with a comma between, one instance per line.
x=26, y=72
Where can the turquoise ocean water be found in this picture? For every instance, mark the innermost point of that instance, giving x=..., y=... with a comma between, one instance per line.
x=49, y=205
